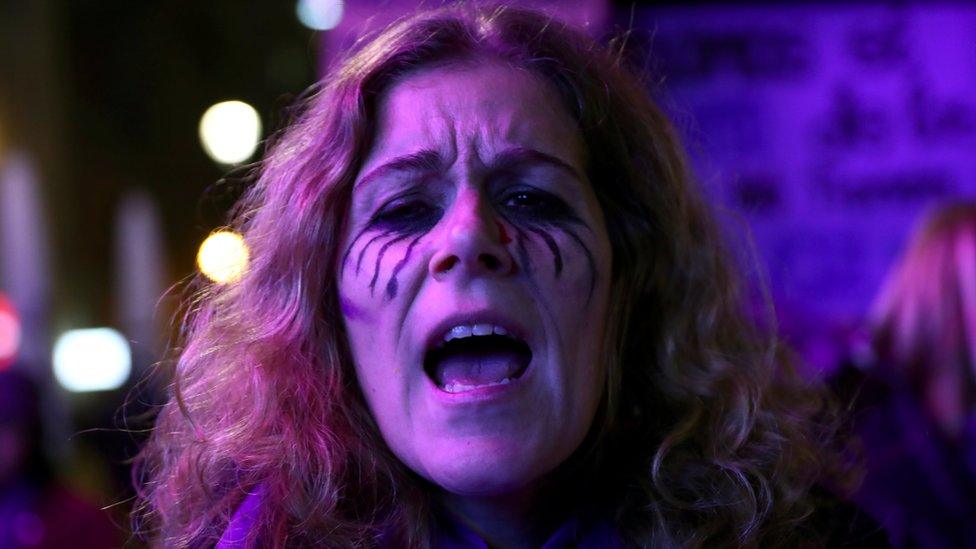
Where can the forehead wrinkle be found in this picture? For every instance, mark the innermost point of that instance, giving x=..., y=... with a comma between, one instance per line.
x=468, y=127
x=417, y=148
x=442, y=132
x=494, y=126
x=491, y=138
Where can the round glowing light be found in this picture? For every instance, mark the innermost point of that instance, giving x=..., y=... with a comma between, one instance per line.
x=319, y=14
x=93, y=359
x=223, y=257
x=230, y=131
x=10, y=332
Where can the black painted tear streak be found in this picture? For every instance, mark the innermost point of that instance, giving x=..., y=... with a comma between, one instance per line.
x=359, y=261
x=391, y=286
x=523, y=253
x=557, y=257
x=345, y=256
x=379, y=259
x=589, y=260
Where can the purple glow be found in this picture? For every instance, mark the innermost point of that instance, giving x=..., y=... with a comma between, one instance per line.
x=829, y=130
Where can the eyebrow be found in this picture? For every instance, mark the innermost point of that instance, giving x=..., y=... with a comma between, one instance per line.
x=517, y=157
x=429, y=160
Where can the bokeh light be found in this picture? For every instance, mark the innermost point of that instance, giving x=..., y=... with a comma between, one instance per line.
x=230, y=131
x=223, y=257
x=9, y=332
x=319, y=14
x=92, y=359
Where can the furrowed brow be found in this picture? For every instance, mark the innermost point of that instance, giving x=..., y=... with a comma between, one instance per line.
x=517, y=157
x=425, y=161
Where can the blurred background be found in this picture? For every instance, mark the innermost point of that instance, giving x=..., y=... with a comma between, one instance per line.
x=821, y=131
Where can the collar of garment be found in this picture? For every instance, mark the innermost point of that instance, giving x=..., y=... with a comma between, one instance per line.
x=584, y=530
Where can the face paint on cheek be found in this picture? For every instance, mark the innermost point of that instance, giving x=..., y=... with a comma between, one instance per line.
x=589, y=259
x=557, y=257
x=351, y=311
x=362, y=253
x=391, y=286
x=345, y=256
x=553, y=246
x=523, y=253
x=379, y=260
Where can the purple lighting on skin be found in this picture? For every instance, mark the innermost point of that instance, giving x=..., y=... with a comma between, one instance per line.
x=351, y=311
x=557, y=257
x=502, y=233
x=359, y=260
x=523, y=253
x=589, y=259
x=391, y=286
x=345, y=256
x=379, y=260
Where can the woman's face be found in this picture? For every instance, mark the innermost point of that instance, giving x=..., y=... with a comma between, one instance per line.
x=474, y=279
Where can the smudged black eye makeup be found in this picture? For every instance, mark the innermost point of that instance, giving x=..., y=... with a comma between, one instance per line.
x=537, y=206
x=531, y=213
x=538, y=214
x=406, y=215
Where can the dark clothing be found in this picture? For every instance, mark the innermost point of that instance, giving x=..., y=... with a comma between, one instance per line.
x=919, y=485
x=846, y=525
x=603, y=537
x=580, y=532
x=843, y=523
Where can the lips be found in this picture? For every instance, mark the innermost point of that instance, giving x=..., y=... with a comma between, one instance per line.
x=475, y=354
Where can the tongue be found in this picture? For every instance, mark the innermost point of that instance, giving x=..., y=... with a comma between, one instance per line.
x=477, y=368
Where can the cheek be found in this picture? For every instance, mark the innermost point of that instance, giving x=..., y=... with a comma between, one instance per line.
x=369, y=343
x=373, y=261
x=582, y=323
x=579, y=299
x=353, y=312
x=566, y=260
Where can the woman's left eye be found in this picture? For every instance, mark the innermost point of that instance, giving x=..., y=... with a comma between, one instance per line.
x=535, y=203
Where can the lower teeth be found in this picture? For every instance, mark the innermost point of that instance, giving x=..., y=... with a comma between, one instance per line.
x=461, y=387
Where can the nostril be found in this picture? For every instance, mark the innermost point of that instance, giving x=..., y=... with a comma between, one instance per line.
x=490, y=262
x=447, y=264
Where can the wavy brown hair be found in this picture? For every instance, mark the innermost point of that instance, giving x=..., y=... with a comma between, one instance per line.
x=705, y=435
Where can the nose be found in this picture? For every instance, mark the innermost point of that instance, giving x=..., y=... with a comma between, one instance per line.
x=472, y=242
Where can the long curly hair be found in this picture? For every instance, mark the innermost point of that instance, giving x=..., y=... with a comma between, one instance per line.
x=705, y=435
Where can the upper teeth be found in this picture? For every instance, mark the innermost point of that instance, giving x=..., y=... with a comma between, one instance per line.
x=466, y=330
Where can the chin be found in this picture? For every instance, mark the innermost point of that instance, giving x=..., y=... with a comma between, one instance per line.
x=488, y=468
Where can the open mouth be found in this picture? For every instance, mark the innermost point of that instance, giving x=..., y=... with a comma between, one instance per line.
x=476, y=357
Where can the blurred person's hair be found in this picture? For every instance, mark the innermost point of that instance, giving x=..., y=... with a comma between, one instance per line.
x=705, y=435
x=923, y=322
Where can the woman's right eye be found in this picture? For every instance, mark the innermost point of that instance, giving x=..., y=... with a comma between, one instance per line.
x=406, y=215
